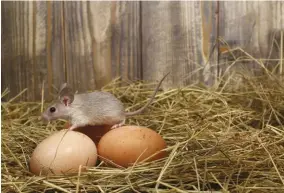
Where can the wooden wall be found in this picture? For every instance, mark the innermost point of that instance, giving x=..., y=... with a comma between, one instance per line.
x=88, y=44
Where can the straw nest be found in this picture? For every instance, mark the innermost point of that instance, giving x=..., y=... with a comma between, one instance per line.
x=226, y=138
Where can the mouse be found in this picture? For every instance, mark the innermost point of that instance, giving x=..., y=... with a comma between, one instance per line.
x=93, y=108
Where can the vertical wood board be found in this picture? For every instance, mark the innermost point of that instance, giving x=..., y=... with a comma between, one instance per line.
x=175, y=40
x=90, y=43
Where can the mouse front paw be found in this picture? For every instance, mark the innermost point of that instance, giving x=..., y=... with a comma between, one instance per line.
x=72, y=127
x=118, y=125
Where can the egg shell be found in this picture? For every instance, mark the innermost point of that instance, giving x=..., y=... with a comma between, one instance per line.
x=59, y=154
x=124, y=145
x=94, y=132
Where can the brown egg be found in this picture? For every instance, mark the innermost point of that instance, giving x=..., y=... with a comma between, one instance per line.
x=59, y=154
x=124, y=145
x=94, y=132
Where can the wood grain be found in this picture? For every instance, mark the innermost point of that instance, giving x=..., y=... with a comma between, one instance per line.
x=78, y=46
x=251, y=25
x=17, y=48
x=87, y=43
x=126, y=41
x=30, y=47
x=102, y=42
x=55, y=51
x=88, y=48
x=176, y=38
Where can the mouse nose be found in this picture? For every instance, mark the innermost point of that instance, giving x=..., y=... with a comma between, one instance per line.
x=44, y=118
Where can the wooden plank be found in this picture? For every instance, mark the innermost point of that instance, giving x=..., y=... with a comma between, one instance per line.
x=5, y=49
x=251, y=25
x=32, y=51
x=97, y=50
x=56, y=50
x=209, y=27
x=38, y=57
x=126, y=40
x=101, y=44
x=17, y=47
x=78, y=46
x=175, y=39
x=179, y=36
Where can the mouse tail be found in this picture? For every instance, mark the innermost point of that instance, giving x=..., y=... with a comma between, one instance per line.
x=150, y=101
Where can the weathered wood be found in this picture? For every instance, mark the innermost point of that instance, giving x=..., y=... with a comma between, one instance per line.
x=8, y=38
x=176, y=38
x=126, y=40
x=17, y=47
x=89, y=43
x=102, y=42
x=31, y=47
x=78, y=46
x=55, y=47
x=248, y=24
x=251, y=25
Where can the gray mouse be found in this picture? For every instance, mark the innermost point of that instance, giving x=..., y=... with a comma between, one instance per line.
x=95, y=108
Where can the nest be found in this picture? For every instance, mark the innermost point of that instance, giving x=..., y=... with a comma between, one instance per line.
x=225, y=138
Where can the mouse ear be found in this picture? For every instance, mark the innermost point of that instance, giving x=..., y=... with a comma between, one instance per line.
x=66, y=95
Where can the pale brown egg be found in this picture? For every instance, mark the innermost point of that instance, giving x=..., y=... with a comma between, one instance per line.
x=63, y=152
x=129, y=144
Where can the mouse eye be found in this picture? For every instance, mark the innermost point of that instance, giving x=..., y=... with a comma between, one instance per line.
x=52, y=109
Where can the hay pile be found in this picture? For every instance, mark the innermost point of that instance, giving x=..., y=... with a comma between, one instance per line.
x=219, y=138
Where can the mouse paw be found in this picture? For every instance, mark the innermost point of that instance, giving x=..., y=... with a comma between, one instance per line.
x=118, y=125
x=72, y=127
x=115, y=126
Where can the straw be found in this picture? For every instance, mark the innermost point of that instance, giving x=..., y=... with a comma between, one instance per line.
x=224, y=138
